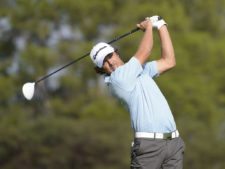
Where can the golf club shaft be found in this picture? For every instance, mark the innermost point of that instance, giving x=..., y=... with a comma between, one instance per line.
x=85, y=55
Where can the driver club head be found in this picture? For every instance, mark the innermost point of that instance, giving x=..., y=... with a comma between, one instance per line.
x=28, y=90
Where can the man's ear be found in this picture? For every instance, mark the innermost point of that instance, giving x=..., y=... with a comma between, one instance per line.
x=99, y=70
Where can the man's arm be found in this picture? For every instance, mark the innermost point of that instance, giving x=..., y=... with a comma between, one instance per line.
x=146, y=43
x=167, y=60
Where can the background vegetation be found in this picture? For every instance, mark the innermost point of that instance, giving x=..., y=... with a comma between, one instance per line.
x=72, y=122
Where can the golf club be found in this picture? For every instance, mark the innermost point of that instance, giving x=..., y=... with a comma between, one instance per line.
x=29, y=87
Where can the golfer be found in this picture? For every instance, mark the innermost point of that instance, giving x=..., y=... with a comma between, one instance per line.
x=156, y=144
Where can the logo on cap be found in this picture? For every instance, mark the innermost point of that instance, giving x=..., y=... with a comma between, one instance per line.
x=99, y=51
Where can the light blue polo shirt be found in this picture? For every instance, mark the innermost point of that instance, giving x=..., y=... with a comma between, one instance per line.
x=132, y=83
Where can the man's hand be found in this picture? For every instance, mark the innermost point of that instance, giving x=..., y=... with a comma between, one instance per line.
x=145, y=25
x=157, y=21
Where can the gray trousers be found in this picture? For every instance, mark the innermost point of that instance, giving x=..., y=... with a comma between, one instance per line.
x=157, y=154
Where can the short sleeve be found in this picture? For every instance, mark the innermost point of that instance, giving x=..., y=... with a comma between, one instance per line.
x=151, y=69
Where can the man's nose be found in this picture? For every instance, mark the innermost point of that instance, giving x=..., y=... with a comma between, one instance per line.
x=109, y=61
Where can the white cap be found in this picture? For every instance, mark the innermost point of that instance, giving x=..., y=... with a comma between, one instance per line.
x=99, y=52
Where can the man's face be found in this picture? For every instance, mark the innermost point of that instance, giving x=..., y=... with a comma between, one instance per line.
x=111, y=62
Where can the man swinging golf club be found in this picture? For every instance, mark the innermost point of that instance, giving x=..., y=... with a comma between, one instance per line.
x=157, y=144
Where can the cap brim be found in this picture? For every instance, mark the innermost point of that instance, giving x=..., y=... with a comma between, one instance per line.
x=101, y=56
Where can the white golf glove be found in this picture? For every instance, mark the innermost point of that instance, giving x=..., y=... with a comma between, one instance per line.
x=157, y=21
